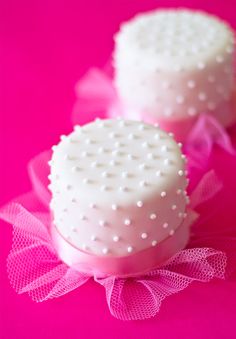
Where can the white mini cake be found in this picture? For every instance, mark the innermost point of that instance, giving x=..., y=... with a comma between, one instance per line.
x=175, y=64
x=118, y=187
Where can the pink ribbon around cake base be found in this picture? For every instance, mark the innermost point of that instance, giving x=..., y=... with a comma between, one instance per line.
x=35, y=267
x=129, y=266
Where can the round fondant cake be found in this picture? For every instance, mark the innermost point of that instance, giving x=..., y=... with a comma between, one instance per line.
x=175, y=64
x=118, y=188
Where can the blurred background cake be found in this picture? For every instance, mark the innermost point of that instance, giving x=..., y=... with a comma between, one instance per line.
x=172, y=65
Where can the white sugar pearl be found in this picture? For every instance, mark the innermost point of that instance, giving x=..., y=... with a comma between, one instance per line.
x=166, y=161
x=192, y=111
x=105, y=174
x=93, y=237
x=201, y=65
x=158, y=173
x=145, y=144
x=101, y=150
x=165, y=225
x=165, y=85
x=129, y=249
x=191, y=84
x=180, y=173
x=157, y=136
x=94, y=164
x=142, y=166
x=180, y=215
x=86, y=181
x=168, y=111
x=139, y=203
x=171, y=232
x=144, y=235
x=164, y=148
x=202, y=96
x=114, y=207
x=123, y=189
x=76, y=169
x=124, y=174
x=62, y=137
x=179, y=191
x=179, y=99
x=127, y=222
x=154, y=243
x=116, y=238
x=219, y=59
x=153, y=216
x=173, y=207
x=102, y=223
x=82, y=217
x=105, y=250
x=143, y=183
x=92, y=205
x=163, y=194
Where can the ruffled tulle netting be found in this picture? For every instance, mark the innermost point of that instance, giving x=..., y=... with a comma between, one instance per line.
x=34, y=267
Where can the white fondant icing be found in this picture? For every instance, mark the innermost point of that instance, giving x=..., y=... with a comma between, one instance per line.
x=110, y=212
x=169, y=63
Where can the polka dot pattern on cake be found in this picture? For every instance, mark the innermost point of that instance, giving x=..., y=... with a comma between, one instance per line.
x=173, y=63
x=107, y=198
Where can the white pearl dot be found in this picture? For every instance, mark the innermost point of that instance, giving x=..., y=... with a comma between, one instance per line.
x=173, y=207
x=116, y=238
x=127, y=222
x=165, y=225
x=143, y=183
x=105, y=250
x=219, y=59
x=163, y=194
x=179, y=99
x=191, y=84
x=123, y=189
x=114, y=207
x=144, y=235
x=82, y=217
x=129, y=249
x=180, y=173
x=158, y=173
x=154, y=243
x=102, y=223
x=179, y=191
x=202, y=96
x=171, y=232
x=201, y=65
x=139, y=203
x=153, y=216
x=192, y=111
x=164, y=148
x=93, y=237
x=92, y=205
x=166, y=161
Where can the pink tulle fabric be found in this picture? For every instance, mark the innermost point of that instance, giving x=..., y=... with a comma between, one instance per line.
x=34, y=267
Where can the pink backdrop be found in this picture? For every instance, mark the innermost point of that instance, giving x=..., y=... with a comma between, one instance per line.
x=45, y=47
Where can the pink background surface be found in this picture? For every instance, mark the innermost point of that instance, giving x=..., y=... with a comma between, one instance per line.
x=45, y=47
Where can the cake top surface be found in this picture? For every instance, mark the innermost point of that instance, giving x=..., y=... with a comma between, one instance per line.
x=119, y=161
x=175, y=39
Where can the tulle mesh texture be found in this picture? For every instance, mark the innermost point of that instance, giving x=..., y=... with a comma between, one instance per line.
x=34, y=267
